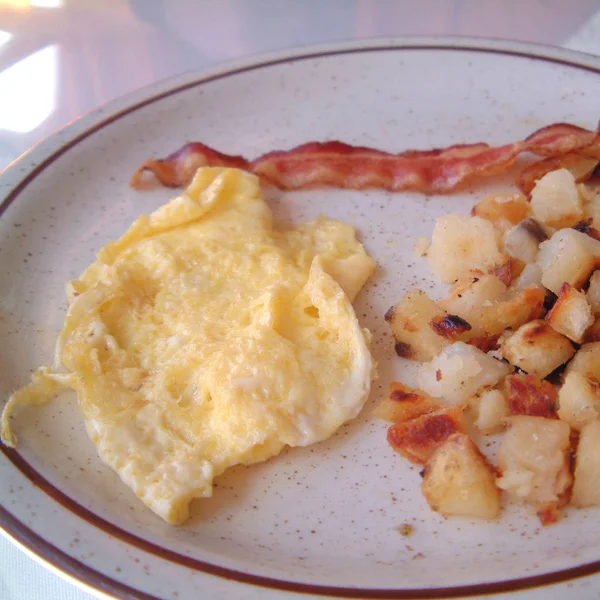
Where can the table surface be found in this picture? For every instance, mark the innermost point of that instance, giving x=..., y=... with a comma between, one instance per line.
x=66, y=57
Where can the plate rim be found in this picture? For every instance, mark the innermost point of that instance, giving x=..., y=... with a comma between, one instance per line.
x=43, y=154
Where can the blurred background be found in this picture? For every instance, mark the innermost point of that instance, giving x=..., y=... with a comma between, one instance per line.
x=62, y=58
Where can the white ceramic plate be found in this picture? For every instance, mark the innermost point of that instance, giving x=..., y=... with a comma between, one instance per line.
x=320, y=520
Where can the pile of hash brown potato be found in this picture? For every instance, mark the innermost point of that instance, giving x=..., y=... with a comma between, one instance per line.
x=514, y=348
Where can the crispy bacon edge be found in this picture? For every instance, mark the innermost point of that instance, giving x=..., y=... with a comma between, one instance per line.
x=341, y=165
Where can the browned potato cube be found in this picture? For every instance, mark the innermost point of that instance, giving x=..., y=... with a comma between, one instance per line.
x=508, y=270
x=529, y=395
x=571, y=314
x=591, y=202
x=485, y=303
x=404, y=403
x=586, y=361
x=586, y=489
x=579, y=400
x=515, y=307
x=523, y=240
x=531, y=276
x=418, y=438
x=568, y=256
x=536, y=348
x=459, y=480
x=491, y=408
x=593, y=292
x=502, y=209
x=410, y=321
x=459, y=372
x=472, y=290
x=593, y=333
x=533, y=458
x=461, y=243
x=555, y=199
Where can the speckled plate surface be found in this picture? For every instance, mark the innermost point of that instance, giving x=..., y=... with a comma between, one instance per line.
x=319, y=520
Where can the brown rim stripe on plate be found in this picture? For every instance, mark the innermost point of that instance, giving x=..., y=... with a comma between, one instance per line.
x=108, y=585
x=73, y=567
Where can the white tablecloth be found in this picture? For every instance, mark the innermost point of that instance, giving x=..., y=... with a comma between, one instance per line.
x=61, y=58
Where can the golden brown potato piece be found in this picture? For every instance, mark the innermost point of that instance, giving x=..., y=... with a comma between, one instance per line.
x=508, y=270
x=491, y=408
x=571, y=314
x=586, y=361
x=579, y=400
x=529, y=395
x=586, y=489
x=568, y=256
x=459, y=480
x=404, y=403
x=418, y=438
x=503, y=210
x=533, y=458
x=515, y=307
x=523, y=240
x=485, y=303
x=555, y=199
x=593, y=333
x=590, y=193
x=410, y=321
x=593, y=292
x=461, y=243
x=473, y=289
x=536, y=348
x=459, y=372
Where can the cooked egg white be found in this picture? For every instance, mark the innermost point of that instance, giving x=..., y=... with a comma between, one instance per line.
x=207, y=337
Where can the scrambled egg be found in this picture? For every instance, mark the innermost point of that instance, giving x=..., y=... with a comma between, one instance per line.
x=206, y=337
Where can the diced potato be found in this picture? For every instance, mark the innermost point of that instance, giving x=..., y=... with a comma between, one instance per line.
x=502, y=209
x=593, y=293
x=529, y=395
x=485, y=343
x=586, y=489
x=511, y=310
x=484, y=302
x=533, y=458
x=591, y=202
x=586, y=227
x=459, y=372
x=461, y=243
x=571, y=314
x=569, y=256
x=507, y=270
x=593, y=333
x=404, y=403
x=418, y=438
x=555, y=199
x=472, y=289
x=410, y=320
x=579, y=400
x=531, y=276
x=450, y=327
x=459, y=480
x=536, y=348
x=491, y=409
x=586, y=361
x=523, y=240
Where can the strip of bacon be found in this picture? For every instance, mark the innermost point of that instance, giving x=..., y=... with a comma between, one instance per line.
x=177, y=169
x=341, y=165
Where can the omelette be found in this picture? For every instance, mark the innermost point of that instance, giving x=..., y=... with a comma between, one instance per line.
x=207, y=337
